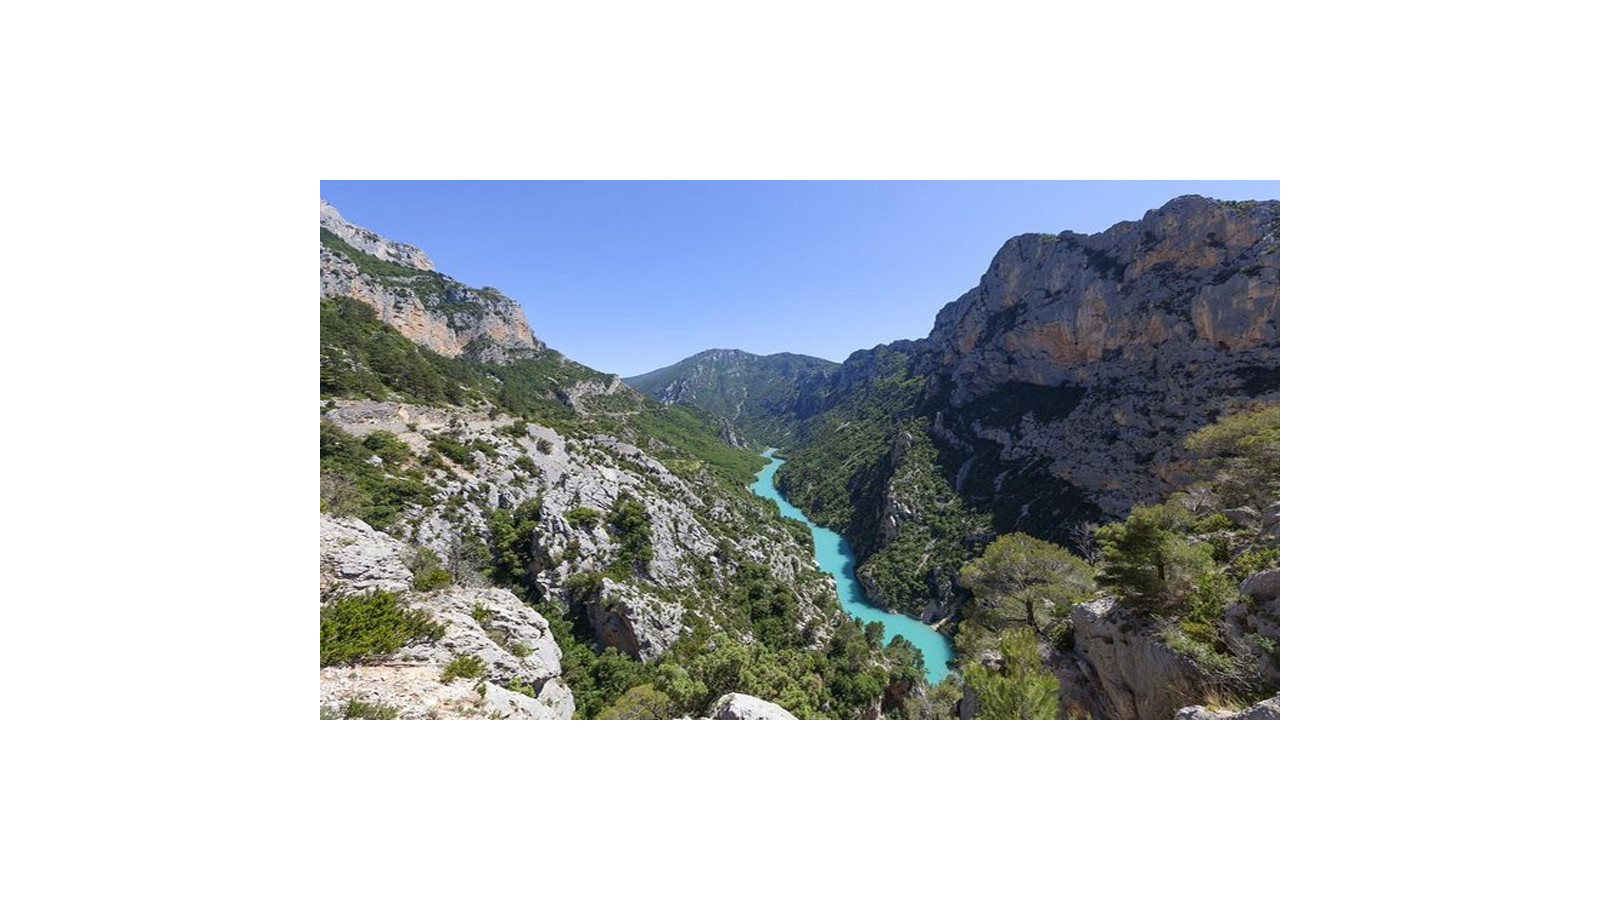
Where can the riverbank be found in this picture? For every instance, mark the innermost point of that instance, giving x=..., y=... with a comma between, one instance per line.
x=835, y=557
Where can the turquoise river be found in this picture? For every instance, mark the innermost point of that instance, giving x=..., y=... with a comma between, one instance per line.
x=835, y=558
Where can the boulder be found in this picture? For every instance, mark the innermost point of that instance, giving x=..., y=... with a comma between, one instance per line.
x=1262, y=585
x=744, y=706
x=358, y=558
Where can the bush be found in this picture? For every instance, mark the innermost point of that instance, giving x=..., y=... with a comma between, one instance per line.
x=630, y=523
x=426, y=572
x=356, y=709
x=642, y=701
x=364, y=626
x=462, y=667
x=583, y=517
x=1022, y=689
x=387, y=447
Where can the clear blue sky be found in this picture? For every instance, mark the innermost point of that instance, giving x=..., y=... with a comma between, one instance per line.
x=627, y=277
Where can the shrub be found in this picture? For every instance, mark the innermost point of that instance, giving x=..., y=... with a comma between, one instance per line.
x=356, y=709
x=369, y=625
x=630, y=522
x=426, y=572
x=1022, y=689
x=583, y=517
x=387, y=447
x=468, y=666
x=641, y=701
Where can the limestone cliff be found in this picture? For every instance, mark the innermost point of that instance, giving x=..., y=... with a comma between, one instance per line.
x=1063, y=384
x=398, y=281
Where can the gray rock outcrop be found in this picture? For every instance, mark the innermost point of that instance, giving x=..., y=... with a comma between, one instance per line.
x=358, y=558
x=1120, y=669
x=744, y=706
x=637, y=624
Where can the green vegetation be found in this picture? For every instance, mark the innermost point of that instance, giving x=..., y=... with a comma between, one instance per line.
x=356, y=709
x=427, y=573
x=867, y=447
x=363, y=357
x=642, y=701
x=630, y=525
x=583, y=517
x=354, y=486
x=1022, y=688
x=469, y=667
x=1240, y=457
x=360, y=627
x=759, y=395
x=513, y=543
x=1022, y=582
x=453, y=450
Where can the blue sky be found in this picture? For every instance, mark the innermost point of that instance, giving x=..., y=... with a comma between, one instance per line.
x=631, y=276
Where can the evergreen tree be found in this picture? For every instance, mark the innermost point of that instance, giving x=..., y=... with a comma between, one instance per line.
x=1022, y=689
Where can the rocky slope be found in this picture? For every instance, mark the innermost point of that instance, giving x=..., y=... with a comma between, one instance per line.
x=522, y=661
x=558, y=490
x=399, y=283
x=762, y=397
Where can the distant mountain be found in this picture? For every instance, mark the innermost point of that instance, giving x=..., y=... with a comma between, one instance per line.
x=762, y=397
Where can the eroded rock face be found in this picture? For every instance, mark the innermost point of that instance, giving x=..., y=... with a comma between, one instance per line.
x=1119, y=669
x=636, y=623
x=361, y=559
x=433, y=310
x=373, y=243
x=744, y=706
x=1065, y=382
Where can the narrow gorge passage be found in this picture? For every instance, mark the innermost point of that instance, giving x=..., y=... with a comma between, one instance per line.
x=835, y=558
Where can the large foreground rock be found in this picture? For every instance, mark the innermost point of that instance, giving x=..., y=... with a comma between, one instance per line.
x=1120, y=669
x=744, y=706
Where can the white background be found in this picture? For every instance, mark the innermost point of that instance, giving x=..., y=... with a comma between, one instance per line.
x=1437, y=318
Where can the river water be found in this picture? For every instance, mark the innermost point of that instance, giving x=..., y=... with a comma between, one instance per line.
x=834, y=557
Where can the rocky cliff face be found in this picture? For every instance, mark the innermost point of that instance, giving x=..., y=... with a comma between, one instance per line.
x=1063, y=384
x=437, y=312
